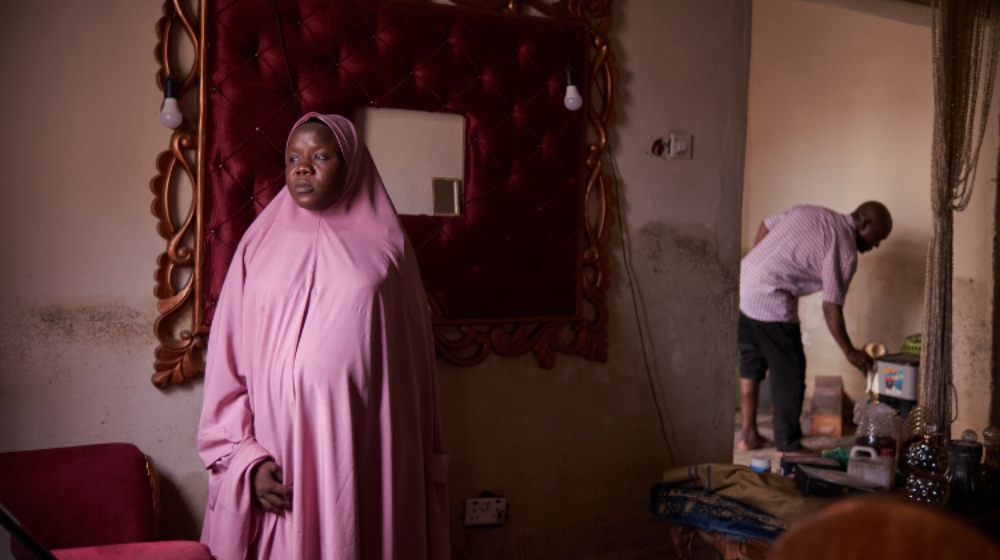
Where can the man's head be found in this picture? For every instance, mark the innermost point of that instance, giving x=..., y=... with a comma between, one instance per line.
x=872, y=225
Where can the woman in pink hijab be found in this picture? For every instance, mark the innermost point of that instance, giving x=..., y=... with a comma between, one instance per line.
x=320, y=421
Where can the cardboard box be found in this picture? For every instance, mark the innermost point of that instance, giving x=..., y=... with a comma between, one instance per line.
x=829, y=425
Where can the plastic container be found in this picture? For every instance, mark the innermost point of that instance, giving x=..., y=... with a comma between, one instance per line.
x=878, y=469
x=760, y=463
x=876, y=428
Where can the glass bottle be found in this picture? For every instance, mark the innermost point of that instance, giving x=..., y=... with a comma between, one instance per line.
x=927, y=460
x=991, y=464
x=968, y=490
x=912, y=431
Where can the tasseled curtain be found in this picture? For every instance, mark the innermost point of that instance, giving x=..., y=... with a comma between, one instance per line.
x=966, y=40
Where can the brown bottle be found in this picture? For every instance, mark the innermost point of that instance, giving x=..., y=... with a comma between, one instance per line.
x=991, y=464
x=928, y=463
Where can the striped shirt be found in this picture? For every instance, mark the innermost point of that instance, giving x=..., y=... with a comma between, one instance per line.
x=807, y=249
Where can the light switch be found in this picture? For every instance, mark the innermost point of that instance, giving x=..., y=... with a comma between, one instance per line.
x=680, y=146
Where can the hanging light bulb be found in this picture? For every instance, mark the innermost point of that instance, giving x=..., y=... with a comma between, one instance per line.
x=170, y=114
x=573, y=99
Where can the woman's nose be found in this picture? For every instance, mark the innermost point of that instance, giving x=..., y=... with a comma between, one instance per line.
x=303, y=168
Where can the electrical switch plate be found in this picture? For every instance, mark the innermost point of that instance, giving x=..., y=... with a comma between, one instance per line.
x=680, y=146
x=485, y=511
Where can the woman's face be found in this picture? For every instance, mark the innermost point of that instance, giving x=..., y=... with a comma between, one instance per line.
x=315, y=171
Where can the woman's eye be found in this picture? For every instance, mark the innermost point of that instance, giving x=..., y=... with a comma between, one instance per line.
x=320, y=157
x=293, y=159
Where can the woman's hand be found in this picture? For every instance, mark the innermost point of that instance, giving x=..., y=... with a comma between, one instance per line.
x=271, y=495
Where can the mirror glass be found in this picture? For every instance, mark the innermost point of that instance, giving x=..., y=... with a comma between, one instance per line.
x=411, y=150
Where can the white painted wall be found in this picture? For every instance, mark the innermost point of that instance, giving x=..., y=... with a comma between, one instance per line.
x=841, y=111
x=575, y=449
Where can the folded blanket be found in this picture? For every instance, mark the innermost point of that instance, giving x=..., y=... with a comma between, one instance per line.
x=774, y=494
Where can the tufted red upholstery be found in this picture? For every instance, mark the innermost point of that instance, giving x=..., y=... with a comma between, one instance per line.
x=514, y=253
x=89, y=495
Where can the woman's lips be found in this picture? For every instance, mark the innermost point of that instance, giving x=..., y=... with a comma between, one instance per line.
x=303, y=188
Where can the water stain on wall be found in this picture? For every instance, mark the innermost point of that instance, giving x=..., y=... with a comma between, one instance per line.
x=105, y=323
x=42, y=343
x=692, y=327
x=972, y=349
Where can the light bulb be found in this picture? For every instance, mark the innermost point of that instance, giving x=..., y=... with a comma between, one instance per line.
x=573, y=99
x=170, y=114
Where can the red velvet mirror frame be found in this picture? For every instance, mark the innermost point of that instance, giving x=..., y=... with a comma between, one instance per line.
x=523, y=269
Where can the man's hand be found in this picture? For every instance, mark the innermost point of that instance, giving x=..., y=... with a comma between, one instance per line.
x=271, y=495
x=834, y=315
x=860, y=359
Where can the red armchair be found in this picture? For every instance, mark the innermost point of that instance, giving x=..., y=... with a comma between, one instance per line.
x=79, y=498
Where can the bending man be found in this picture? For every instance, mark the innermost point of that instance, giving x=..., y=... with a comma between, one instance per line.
x=798, y=252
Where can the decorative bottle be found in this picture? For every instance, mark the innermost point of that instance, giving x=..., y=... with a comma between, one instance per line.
x=927, y=461
x=965, y=475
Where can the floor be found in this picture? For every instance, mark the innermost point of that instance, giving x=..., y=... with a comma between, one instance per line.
x=766, y=429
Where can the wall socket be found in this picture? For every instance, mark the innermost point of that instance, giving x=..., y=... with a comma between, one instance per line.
x=485, y=511
x=676, y=145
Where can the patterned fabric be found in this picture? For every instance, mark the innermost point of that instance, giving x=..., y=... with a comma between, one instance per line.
x=711, y=512
x=807, y=249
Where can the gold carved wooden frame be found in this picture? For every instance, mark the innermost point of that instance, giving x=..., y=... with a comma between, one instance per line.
x=179, y=281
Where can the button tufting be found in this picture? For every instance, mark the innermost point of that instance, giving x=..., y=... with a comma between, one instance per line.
x=502, y=82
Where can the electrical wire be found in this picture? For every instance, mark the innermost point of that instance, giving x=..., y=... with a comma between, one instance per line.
x=288, y=65
x=626, y=250
x=635, y=305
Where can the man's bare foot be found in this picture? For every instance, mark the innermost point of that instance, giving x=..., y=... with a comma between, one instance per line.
x=755, y=442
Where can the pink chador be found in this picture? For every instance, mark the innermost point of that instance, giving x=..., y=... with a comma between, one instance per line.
x=322, y=358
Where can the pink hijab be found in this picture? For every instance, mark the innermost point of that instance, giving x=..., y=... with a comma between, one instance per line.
x=321, y=358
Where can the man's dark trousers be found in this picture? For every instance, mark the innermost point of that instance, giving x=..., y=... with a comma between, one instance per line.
x=777, y=347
